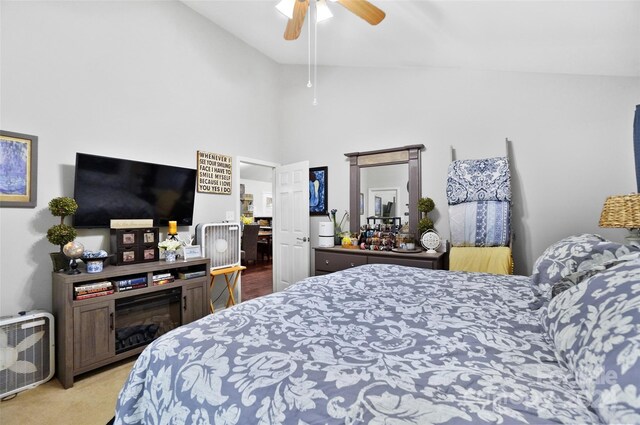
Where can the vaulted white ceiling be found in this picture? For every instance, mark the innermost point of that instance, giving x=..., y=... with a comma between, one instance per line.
x=550, y=36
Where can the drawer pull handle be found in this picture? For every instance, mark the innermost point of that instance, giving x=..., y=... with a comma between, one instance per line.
x=185, y=303
x=326, y=261
x=352, y=264
x=111, y=321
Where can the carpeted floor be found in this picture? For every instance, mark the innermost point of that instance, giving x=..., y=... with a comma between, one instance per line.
x=90, y=401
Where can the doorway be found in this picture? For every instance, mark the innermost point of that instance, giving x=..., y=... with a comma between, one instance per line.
x=256, y=208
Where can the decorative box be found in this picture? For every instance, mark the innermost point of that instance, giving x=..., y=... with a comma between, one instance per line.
x=133, y=246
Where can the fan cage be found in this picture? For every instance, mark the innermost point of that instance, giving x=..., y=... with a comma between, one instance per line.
x=41, y=353
x=220, y=242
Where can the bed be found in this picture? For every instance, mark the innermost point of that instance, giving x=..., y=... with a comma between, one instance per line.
x=387, y=344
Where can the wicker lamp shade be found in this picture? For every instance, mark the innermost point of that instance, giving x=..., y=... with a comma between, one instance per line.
x=621, y=211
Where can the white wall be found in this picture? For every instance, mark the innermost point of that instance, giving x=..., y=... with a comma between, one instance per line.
x=151, y=81
x=155, y=81
x=572, y=137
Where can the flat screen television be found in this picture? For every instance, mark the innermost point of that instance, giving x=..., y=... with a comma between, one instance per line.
x=113, y=188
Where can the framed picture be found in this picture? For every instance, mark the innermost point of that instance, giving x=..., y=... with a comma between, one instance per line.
x=18, y=169
x=361, y=203
x=149, y=253
x=128, y=238
x=378, y=206
x=318, y=182
x=149, y=236
x=128, y=256
x=192, y=251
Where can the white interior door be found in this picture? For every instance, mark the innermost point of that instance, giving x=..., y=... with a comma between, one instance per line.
x=291, y=224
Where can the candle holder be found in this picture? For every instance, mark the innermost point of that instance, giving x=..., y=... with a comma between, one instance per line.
x=173, y=228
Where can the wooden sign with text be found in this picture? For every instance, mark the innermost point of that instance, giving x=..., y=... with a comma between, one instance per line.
x=214, y=173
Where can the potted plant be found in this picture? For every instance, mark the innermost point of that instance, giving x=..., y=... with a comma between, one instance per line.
x=61, y=234
x=338, y=234
x=170, y=247
x=425, y=206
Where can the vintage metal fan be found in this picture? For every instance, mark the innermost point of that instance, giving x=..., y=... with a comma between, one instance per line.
x=296, y=10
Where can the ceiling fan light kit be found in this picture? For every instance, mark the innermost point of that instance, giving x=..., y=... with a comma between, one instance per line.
x=296, y=11
x=322, y=11
x=286, y=7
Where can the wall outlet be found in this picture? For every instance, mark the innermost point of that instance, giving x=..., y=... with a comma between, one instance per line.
x=230, y=216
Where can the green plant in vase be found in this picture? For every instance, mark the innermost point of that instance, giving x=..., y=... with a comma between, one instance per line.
x=337, y=227
x=425, y=206
x=61, y=234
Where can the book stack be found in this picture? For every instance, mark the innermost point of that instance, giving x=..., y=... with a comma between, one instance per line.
x=133, y=283
x=95, y=289
x=162, y=279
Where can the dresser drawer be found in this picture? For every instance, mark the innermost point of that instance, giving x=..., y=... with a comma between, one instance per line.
x=333, y=262
x=410, y=262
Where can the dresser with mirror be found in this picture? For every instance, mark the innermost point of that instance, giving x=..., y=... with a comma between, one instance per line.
x=385, y=186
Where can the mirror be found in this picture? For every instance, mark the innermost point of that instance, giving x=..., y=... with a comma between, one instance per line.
x=384, y=192
x=385, y=183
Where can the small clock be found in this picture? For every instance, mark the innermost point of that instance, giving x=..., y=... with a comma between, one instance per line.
x=430, y=241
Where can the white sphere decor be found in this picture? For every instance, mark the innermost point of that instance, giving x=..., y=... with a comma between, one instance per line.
x=430, y=241
x=73, y=249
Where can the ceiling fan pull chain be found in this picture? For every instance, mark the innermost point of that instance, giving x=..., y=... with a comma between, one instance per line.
x=309, y=53
x=315, y=59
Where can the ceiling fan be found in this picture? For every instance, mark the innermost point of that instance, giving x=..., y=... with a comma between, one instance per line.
x=296, y=10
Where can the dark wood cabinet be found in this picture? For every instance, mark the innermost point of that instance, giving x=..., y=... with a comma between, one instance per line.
x=87, y=330
x=330, y=260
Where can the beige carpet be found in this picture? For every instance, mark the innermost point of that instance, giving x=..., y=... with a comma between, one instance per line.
x=91, y=400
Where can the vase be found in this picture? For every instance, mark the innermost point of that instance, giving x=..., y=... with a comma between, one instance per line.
x=60, y=261
x=337, y=240
x=170, y=256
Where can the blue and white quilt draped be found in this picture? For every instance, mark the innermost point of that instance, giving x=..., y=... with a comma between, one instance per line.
x=480, y=223
x=479, y=180
x=375, y=344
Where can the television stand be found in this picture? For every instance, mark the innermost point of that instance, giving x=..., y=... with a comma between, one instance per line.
x=94, y=332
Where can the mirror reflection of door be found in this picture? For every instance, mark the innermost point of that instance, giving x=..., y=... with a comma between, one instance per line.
x=382, y=202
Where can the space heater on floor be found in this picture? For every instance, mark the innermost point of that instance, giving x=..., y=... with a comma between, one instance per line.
x=220, y=243
x=26, y=351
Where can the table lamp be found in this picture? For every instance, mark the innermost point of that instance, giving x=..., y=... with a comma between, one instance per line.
x=623, y=211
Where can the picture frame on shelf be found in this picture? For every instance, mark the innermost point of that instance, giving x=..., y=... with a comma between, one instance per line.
x=318, y=190
x=192, y=251
x=19, y=165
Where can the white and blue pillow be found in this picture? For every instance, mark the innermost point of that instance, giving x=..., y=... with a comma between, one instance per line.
x=594, y=320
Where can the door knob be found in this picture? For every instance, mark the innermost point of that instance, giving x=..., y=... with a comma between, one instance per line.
x=303, y=239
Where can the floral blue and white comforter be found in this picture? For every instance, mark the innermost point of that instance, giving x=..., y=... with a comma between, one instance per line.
x=376, y=344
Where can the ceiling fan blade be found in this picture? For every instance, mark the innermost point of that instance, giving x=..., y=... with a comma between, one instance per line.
x=365, y=10
x=294, y=26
